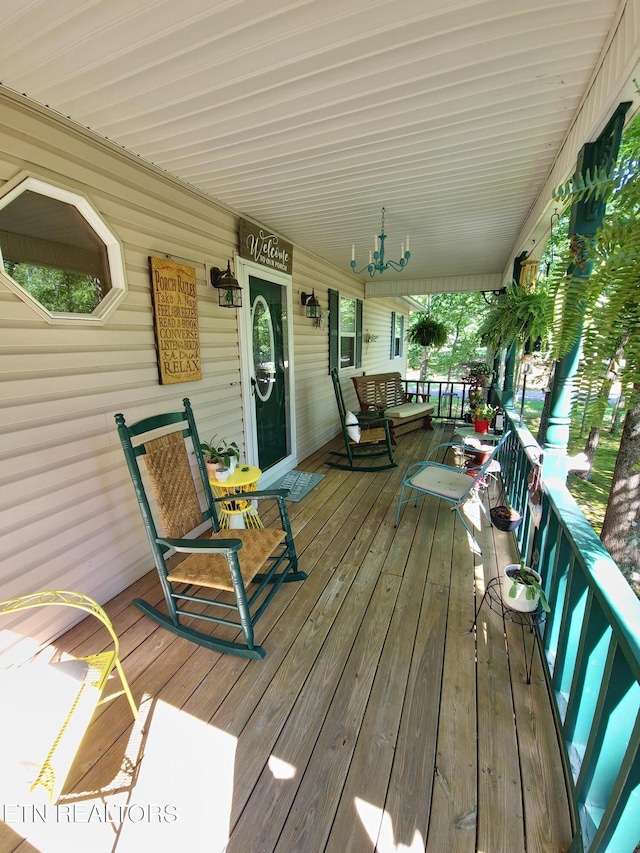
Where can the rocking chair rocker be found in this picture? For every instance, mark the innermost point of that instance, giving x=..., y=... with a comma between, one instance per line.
x=366, y=436
x=229, y=561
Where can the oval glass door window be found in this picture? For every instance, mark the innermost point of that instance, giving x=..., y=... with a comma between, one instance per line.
x=264, y=366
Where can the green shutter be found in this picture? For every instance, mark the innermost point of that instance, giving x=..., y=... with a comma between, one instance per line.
x=334, y=322
x=401, y=334
x=358, y=332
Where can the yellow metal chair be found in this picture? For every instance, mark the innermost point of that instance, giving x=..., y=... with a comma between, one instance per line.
x=76, y=685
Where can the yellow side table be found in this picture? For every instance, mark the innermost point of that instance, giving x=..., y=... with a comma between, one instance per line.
x=236, y=512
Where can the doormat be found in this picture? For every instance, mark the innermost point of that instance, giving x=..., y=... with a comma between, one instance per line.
x=299, y=484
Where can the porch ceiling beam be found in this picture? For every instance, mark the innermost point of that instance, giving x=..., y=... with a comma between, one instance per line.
x=444, y=284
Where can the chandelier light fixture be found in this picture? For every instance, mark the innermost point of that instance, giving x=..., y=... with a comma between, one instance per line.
x=377, y=262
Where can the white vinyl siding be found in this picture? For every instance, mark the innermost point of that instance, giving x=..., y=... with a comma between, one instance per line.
x=68, y=514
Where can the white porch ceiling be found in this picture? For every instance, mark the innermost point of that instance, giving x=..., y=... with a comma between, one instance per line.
x=309, y=116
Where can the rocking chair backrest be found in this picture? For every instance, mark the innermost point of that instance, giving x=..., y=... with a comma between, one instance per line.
x=173, y=486
x=342, y=409
x=167, y=463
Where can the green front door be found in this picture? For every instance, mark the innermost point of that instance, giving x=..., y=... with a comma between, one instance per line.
x=269, y=378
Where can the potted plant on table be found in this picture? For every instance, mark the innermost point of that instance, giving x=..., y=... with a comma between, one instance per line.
x=221, y=458
x=522, y=589
x=483, y=414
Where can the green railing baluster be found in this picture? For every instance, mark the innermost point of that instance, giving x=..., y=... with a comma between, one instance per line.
x=589, y=672
x=592, y=654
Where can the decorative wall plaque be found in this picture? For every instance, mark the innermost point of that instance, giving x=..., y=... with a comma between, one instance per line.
x=265, y=247
x=175, y=312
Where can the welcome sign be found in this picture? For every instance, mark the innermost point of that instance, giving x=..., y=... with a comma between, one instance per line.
x=264, y=247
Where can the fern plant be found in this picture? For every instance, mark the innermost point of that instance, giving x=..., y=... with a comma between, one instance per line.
x=607, y=303
x=518, y=315
x=427, y=332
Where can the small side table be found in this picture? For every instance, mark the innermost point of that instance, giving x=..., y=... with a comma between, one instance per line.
x=470, y=432
x=236, y=512
x=530, y=620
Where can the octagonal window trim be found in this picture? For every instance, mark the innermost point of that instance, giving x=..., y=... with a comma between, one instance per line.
x=114, y=254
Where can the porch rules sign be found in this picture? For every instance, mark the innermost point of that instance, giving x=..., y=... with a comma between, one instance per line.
x=264, y=247
x=175, y=314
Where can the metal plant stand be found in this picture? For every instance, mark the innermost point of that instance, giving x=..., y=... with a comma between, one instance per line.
x=530, y=620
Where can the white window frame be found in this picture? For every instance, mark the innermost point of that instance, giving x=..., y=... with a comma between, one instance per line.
x=343, y=333
x=115, y=257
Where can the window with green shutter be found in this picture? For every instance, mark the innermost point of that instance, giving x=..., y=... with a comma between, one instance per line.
x=345, y=331
x=397, y=334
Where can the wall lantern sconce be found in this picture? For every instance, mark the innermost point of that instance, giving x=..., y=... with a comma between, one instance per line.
x=369, y=338
x=311, y=304
x=229, y=291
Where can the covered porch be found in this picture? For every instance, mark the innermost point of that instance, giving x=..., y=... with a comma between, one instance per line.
x=377, y=721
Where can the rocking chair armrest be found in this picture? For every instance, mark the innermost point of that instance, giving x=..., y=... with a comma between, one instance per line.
x=372, y=416
x=192, y=546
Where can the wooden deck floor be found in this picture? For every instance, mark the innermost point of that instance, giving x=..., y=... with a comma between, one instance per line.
x=377, y=721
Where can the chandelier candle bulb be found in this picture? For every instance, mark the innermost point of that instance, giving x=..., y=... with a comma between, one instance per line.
x=407, y=245
x=353, y=252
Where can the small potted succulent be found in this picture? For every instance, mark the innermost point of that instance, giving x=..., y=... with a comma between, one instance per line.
x=221, y=458
x=483, y=414
x=522, y=589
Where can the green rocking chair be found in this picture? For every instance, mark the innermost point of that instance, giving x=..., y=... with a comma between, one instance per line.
x=366, y=436
x=245, y=568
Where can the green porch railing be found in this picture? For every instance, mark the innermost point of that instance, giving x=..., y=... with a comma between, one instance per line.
x=591, y=642
x=450, y=398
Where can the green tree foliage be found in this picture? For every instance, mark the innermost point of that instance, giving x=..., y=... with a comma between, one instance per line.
x=57, y=290
x=461, y=313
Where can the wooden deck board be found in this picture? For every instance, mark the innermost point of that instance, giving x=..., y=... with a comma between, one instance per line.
x=369, y=724
x=454, y=803
x=358, y=816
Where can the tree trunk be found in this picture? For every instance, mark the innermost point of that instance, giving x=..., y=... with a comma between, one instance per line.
x=617, y=414
x=453, y=349
x=603, y=397
x=424, y=361
x=590, y=448
x=546, y=407
x=620, y=527
x=583, y=420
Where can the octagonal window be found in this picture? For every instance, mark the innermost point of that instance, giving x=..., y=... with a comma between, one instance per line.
x=58, y=254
